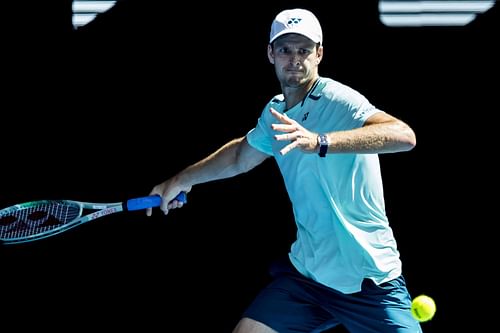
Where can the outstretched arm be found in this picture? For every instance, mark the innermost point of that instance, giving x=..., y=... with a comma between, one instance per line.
x=381, y=133
x=233, y=158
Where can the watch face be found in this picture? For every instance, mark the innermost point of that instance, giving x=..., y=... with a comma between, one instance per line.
x=323, y=140
x=323, y=144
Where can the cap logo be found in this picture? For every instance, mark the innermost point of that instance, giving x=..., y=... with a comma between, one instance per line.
x=294, y=20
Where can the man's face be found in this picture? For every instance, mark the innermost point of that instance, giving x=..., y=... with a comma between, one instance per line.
x=295, y=59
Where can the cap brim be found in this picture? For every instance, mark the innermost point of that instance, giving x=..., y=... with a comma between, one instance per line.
x=291, y=31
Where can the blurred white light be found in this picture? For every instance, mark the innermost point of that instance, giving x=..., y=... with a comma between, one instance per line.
x=85, y=11
x=431, y=13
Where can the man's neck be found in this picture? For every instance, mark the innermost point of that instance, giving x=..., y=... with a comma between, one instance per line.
x=295, y=95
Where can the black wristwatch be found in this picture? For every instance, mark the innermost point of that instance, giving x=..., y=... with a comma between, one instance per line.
x=323, y=144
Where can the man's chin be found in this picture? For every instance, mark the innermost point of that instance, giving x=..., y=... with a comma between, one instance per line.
x=295, y=81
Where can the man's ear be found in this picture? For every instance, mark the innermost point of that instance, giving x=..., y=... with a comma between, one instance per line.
x=270, y=54
x=320, y=55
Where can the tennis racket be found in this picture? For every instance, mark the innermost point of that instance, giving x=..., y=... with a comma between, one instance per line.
x=35, y=220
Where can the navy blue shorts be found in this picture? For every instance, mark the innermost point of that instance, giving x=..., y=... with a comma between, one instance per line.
x=294, y=303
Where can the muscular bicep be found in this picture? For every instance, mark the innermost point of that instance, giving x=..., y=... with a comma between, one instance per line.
x=380, y=118
x=248, y=156
x=394, y=134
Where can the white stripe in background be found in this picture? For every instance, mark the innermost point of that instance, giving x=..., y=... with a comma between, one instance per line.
x=392, y=13
x=86, y=11
x=431, y=13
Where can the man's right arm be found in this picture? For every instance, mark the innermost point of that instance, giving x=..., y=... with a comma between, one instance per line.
x=233, y=158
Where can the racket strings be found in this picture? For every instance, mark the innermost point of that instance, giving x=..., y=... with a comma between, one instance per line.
x=37, y=219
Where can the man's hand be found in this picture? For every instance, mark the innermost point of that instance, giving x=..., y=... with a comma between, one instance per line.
x=299, y=136
x=168, y=192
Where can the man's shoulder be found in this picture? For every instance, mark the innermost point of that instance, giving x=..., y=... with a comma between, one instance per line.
x=278, y=99
x=328, y=84
x=338, y=91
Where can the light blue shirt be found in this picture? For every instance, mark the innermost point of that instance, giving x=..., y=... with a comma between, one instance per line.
x=343, y=234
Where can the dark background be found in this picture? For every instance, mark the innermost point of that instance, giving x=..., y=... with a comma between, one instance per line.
x=105, y=112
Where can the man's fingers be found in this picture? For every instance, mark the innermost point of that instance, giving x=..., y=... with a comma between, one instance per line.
x=289, y=147
x=281, y=117
x=164, y=207
x=283, y=127
x=289, y=136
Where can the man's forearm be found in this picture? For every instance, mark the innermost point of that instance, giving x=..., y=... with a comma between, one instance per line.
x=373, y=139
x=223, y=163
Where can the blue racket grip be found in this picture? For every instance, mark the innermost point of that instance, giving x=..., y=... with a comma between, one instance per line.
x=151, y=201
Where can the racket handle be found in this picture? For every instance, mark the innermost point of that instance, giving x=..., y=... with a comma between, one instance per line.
x=151, y=201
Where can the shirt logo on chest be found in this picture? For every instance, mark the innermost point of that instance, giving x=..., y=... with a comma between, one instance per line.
x=304, y=117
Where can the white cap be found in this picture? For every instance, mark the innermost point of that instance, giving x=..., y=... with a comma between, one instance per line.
x=297, y=21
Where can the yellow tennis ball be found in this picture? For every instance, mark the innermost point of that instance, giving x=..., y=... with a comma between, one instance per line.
x=423, y=308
